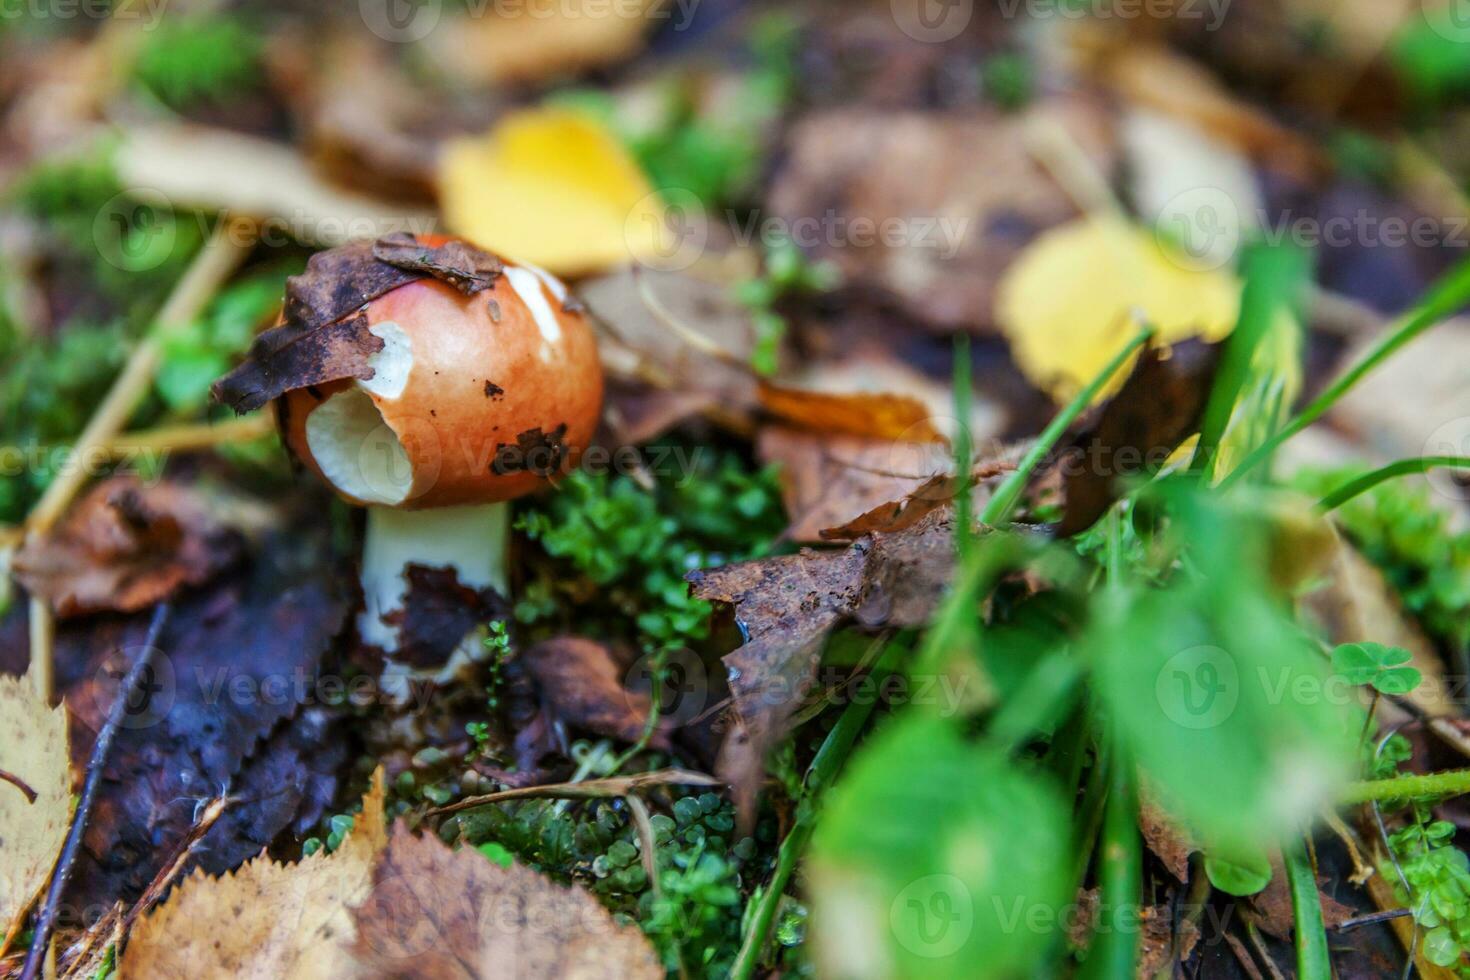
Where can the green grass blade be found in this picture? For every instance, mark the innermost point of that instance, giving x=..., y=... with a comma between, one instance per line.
x=1446, y=297
x=998, y=509
x=1114, y=951
x=1404, y=467
x=1313, y=960
x=1274, y=278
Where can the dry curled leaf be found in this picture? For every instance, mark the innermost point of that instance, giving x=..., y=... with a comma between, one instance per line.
x=436, y=913
x=787, y=605
x=438, y=612
x=265, y=919
x=833, y=481
x=126, y=546
x=581, y=685
x=33, y=749
x=1157, y=408
x=865, y=414
x=319, y=340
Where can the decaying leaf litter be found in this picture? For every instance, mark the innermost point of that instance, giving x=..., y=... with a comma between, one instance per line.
x=1022, y=537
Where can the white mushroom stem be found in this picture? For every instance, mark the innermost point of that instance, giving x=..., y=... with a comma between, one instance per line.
x=472, y=540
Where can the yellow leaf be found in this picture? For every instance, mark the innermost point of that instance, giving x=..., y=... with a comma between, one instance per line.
x=266, y=919
x=554, y=188
x=33, y=749
x=1066, y=304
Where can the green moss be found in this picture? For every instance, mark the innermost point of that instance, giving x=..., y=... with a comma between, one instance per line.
x=695, y=918
x=196, y=60
x=628, y=548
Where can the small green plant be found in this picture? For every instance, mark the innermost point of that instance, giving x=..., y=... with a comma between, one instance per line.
x=788, y=274
x=1377, y=666
x=1401, y=528
x=693, y=918
x=634, y=545
x=1438, y=877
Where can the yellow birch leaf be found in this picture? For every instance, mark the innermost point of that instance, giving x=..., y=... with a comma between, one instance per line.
x=1066, y=305
x=33, y=750
x=554, y=188
x=265, y=919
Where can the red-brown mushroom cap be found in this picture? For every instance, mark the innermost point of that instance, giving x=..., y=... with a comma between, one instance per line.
x=475, y=399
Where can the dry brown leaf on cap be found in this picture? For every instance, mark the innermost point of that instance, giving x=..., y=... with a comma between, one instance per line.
x=127, y=545
x=927, y=208
x=540, y=39
x=217, y=170
x=266, y=919
x=436, y=914
x=35, y=798
x=787, y=605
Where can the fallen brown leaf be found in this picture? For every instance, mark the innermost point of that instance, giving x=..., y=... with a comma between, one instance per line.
x=436, y=913
x=831, y=481
x=126, y=546
x=661, y=377
x=266, y=919
x=787, y=605
x=438, y=613
x=33, y=747
x=218, y=170
x=866, y=414
x=541, y=39
x=917, y=171
x=232, y=703
x=1169, y=842
x=1273, y=905
x=581, y=685
x=1158, y=407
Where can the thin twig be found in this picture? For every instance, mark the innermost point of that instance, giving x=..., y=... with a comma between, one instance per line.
x=591, y=789
x=1371, y=919
x=46, y=922
x=19, y=784
x=182, y=854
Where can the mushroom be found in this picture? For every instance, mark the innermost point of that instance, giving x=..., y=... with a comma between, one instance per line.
x=461, y=381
